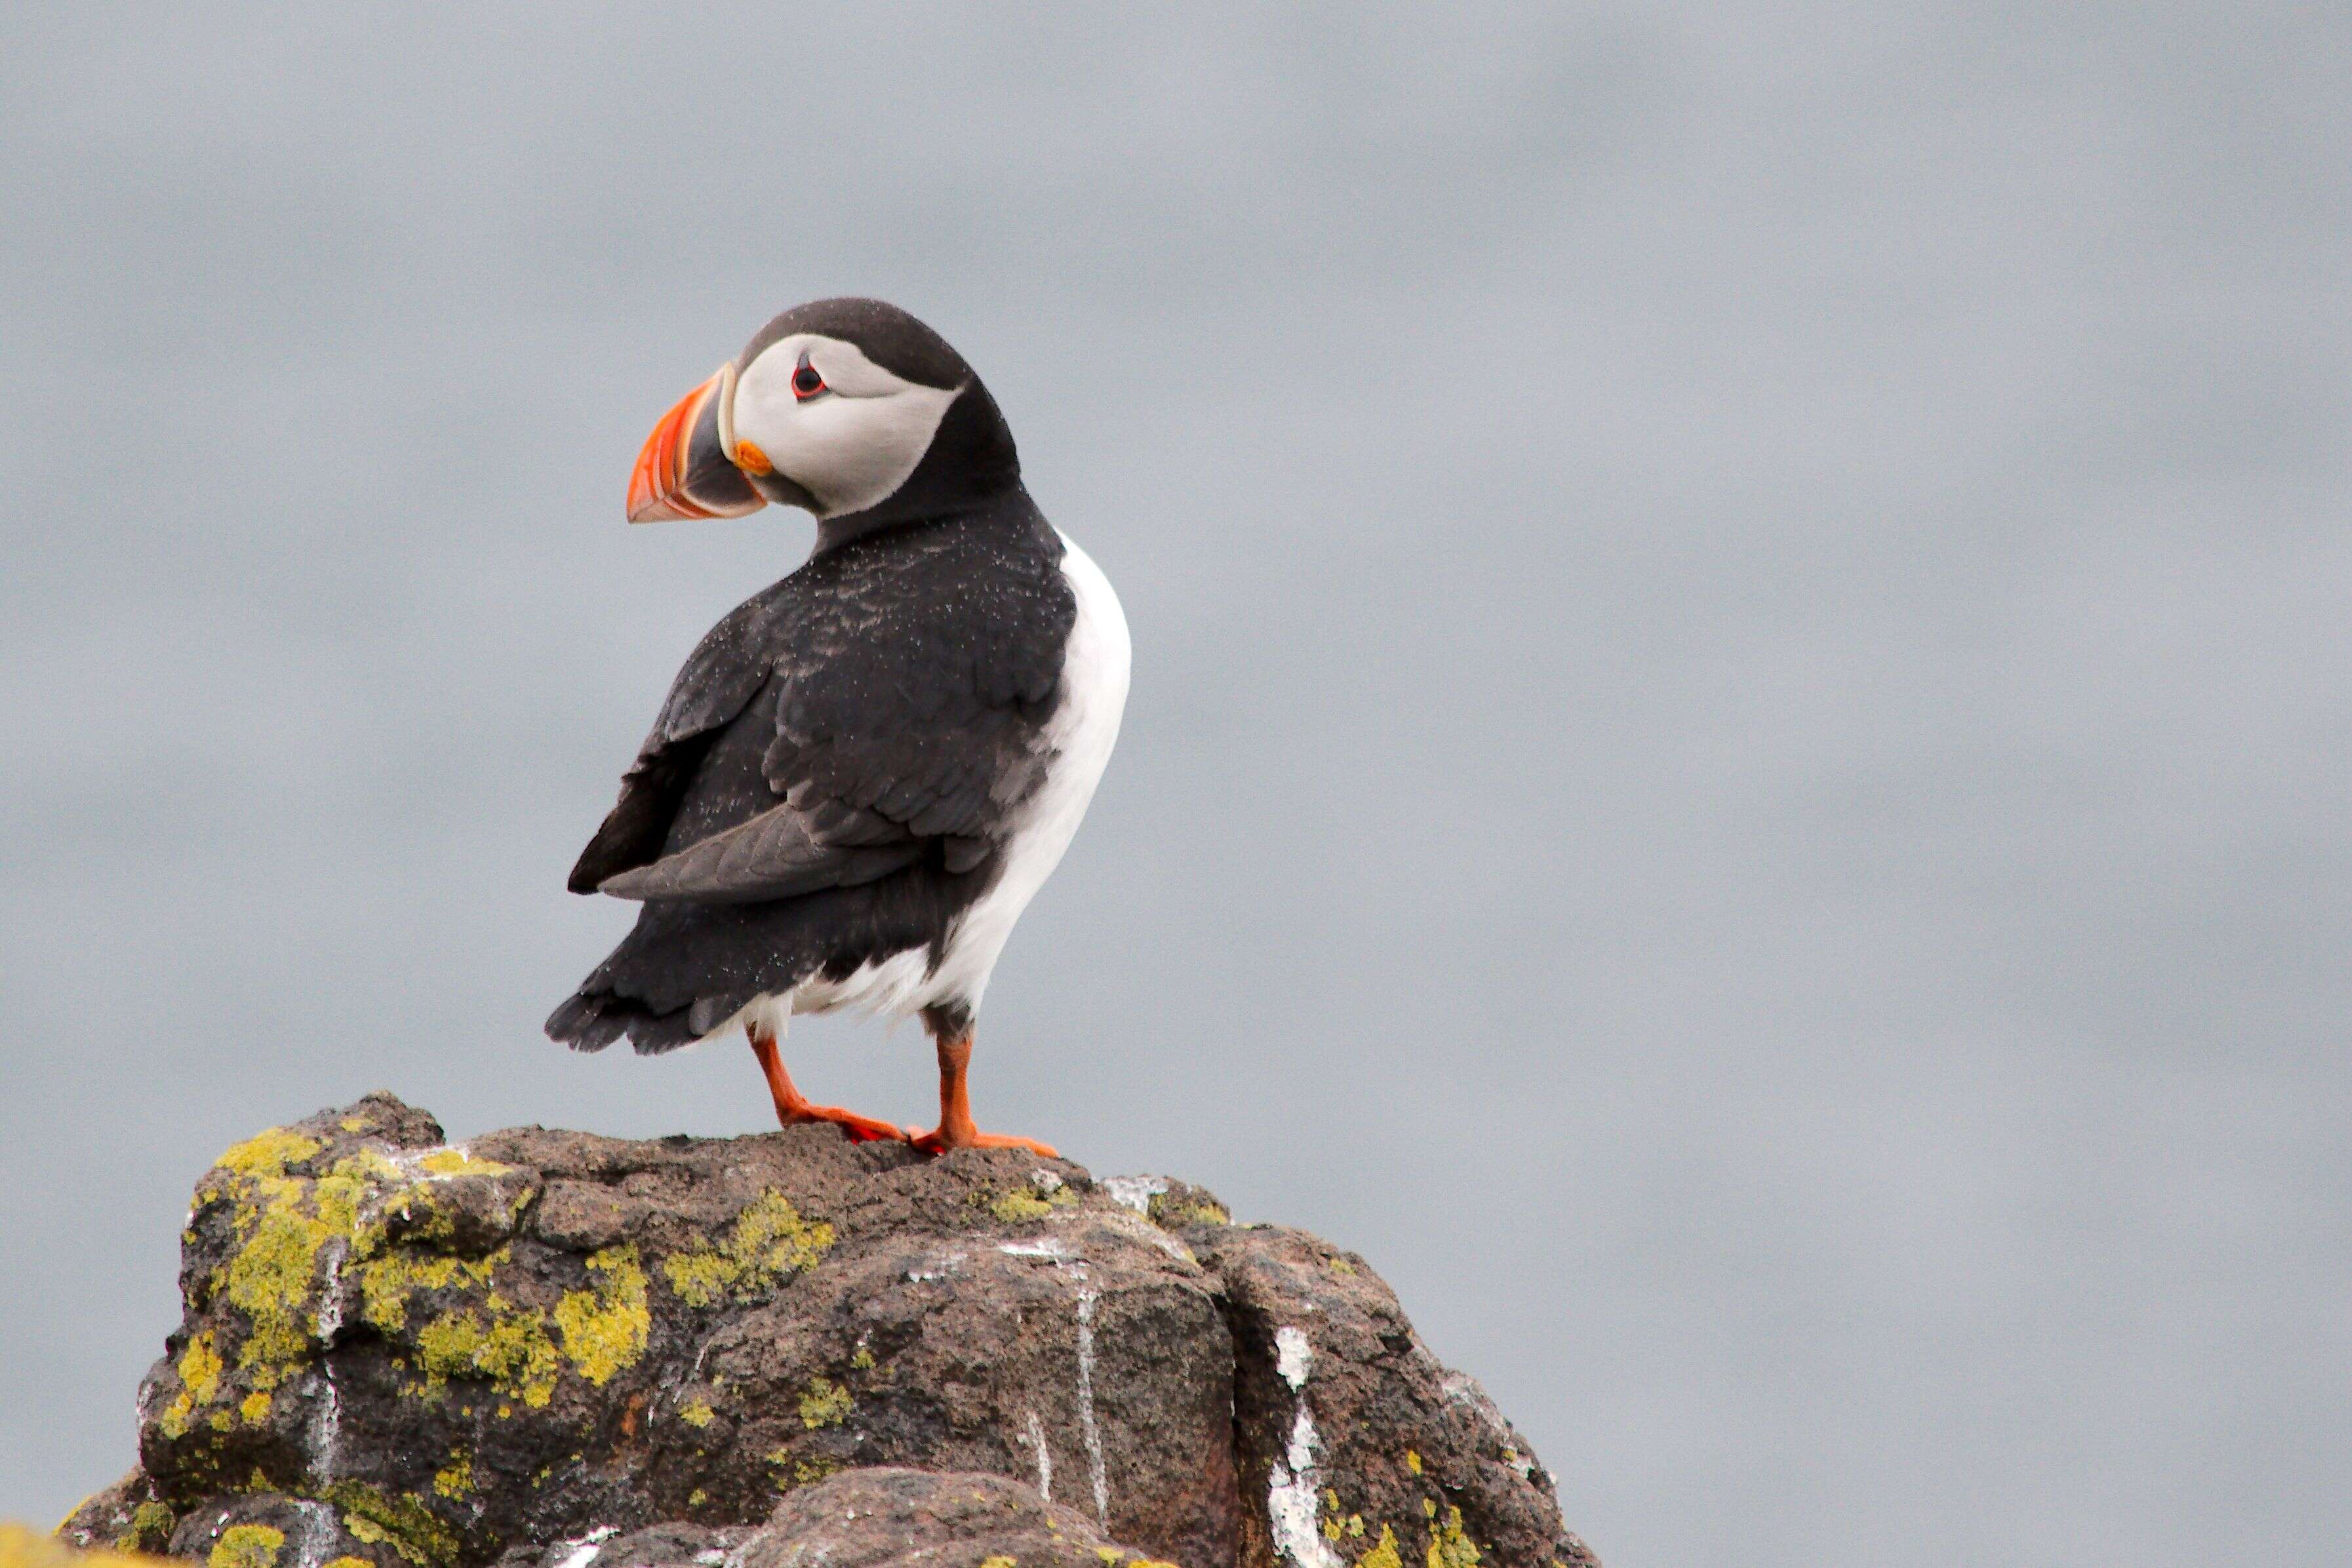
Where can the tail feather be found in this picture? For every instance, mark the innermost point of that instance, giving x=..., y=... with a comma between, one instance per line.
x=684, y=968
x=591, y=1020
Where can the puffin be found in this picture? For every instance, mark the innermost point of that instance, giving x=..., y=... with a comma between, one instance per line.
x=866, y=771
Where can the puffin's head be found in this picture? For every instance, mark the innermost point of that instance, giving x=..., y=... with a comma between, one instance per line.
x=851, y=408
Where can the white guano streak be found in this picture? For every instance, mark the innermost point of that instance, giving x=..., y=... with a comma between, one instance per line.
x=327, y=1415
x=317, y=1533
x=1096, y=1469
x=584, y=1549
x=1291, y=1493
x=1135, y=1192
x=1045, y=1457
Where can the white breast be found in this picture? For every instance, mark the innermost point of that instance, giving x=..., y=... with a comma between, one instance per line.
x=1081, y=733
x=1078, y=737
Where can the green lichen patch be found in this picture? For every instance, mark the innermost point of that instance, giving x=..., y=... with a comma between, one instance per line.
x=768, y=1241
x=401, y=1522
x=826, y=1404
x=1019, y=1206
x=150, y=1527
x=1175, y=1211
x=247, y=1546
x=790, y=1469
x=1026, y=1205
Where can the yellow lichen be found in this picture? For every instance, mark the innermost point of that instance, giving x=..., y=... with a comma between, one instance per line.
x=864, y=1360
x=150, y=1527
x=998, y=1562
x=456, y=1479
x=348, y=1562
x=268, y=1153
x=826, y=1404
x=605, y=1329
x=200, y=1373
x=512, y=1351
x=1413, y=1460
x=769, y=1240
x=699, y=1279
x=256, y=1409
x=1384, y=1553
x=1342, y=1266
x=697, y=1498
x=247, y=1546
x=457, y=1162
x=1164, y=1211
x=402, y=1523
x=387, y=1283
x=1018, y=1207
x=1451, y=1546
x=697, y=1414
x=283, y=1224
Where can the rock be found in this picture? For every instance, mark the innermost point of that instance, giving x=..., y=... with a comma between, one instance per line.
x=400, y=1354
x=880, y=1518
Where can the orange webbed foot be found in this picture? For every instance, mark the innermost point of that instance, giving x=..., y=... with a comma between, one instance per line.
x=859, y=1129
x=794, y=1108
x=940, y=1140
x=952, y=1035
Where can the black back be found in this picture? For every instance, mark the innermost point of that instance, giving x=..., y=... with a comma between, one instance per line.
x=861, y=734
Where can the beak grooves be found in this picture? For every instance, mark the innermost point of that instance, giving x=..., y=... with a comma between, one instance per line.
x=683, y=470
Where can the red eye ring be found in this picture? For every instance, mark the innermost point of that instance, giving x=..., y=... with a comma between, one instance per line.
x=807, y=383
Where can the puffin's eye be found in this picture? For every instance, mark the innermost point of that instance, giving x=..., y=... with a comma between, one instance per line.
x=807, y=381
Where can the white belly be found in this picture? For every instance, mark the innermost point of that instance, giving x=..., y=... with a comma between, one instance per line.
x=1078, y=738
x=1080, y=735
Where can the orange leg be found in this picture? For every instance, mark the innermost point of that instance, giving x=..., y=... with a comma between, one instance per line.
x=794, y=1108
x=955, y=1130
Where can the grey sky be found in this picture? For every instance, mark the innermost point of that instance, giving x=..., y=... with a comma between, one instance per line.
x=1739, y=763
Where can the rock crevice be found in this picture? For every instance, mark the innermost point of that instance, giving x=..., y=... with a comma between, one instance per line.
x=556, y=1349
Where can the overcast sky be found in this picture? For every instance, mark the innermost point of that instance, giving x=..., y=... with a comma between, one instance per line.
x=1739, y=761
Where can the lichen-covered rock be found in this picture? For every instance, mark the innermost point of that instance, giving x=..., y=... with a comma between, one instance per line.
x=130, y=1516
x=1363, y=1448
x=880, y=1518
x=398, y=1354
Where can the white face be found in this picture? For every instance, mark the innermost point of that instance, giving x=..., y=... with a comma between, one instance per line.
x=850, y=444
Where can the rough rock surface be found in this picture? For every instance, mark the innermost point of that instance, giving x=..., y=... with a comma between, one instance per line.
x=560, y=1349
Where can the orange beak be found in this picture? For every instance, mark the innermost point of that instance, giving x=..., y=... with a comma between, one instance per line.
x=684, y=470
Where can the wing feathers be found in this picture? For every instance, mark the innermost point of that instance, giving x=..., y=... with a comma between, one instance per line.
x=769, y=856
